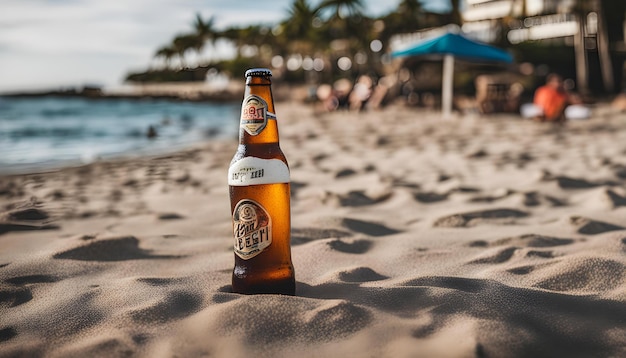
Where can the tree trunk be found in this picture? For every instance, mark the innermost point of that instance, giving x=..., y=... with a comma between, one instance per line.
x=447, y=86
x=580, y=52
x=603, y=51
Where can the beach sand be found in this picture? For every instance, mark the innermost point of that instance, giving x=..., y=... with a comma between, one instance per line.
x=412, y=236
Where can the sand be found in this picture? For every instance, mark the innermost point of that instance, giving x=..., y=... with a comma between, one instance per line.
x=412, y=236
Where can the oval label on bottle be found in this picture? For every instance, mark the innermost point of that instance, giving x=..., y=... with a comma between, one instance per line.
x=255, y=171
x=253, y=114
x=252, y=228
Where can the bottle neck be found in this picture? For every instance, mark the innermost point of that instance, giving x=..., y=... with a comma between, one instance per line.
x=258, y=119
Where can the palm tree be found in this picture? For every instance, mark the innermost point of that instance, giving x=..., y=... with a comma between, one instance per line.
x=204, y=31
x=299, y=29
x=300, y=19
x=407, y=18
x=412, y=8
x=343, y=8
x=167, y=53
x=345, y=21
x=253, y=35
x=184, y=43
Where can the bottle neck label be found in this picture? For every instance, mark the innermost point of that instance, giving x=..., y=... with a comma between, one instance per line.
x=252, y=227
x=254, y=114
x=255, y=171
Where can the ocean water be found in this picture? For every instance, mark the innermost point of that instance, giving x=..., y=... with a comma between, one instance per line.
x=44, y=132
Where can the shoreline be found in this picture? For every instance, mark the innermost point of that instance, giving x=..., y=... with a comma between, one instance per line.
x=176, y=91
x=121, y=158
x=601, y=110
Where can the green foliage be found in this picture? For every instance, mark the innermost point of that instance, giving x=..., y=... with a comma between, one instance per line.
x=169, y=75
x=330, y=30
x=558, y=58
x=238, y=66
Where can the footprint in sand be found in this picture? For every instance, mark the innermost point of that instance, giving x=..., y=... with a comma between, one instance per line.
x=351, y=246
x=480, y=153
x=25, y=217
x=523, y=270
x=586, y=274
x=575, y=183
x=334, y=320
x=592, y=227
x=304, y=235
x=541, y=254
x=465, y=189
x=299, y=319
x=404, y=184
x=23, y=280
x=158, y=281
x=113, y=249
x=428, y=197
x=360, y=274
x=498, y=257
x=15, y=297
x=359, y=198
x=175, y=305
x=10, y=188
x=477, y=217
x=615, y=199
x=170, y=216
x=491, y=198
x=534, y=198
x=529, y=240
x=533, y=240
x=28, y=214
x=504, y=255
x=620, y=171
x=368, y=228
x=345, y=173
x=457, y=283
x=7, y=333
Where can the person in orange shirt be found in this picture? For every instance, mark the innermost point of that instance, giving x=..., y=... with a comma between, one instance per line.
x=552, y=99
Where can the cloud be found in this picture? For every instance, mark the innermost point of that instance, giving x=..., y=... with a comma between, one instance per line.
x=43, y=41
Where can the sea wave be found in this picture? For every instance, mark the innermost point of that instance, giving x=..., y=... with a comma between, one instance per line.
x=39, y=131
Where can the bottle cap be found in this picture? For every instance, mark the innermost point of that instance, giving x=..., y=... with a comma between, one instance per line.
x=264, y=72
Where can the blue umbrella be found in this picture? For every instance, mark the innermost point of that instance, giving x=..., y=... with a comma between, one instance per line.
x=453, y=45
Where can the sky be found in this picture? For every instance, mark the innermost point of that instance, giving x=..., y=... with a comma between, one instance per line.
x=52, y=44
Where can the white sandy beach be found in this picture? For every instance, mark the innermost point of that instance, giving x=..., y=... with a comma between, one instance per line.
x=411, y=237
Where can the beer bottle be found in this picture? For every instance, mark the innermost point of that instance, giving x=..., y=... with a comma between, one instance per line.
x=258, y=179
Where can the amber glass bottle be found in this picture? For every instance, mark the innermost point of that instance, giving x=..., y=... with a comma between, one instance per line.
x=258, y=178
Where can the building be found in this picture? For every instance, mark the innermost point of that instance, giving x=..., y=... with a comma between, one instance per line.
x=595, y=29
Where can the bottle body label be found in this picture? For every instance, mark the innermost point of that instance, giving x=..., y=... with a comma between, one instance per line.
x=253, y=114
x=252, y=227
x=255, y=171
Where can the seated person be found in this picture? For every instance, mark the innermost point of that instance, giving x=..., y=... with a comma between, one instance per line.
x=552, y=99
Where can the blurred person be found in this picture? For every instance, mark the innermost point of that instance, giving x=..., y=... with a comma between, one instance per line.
x=152, y=133
x=619, y=103
x=380, y=92
x=551, y=99
x=361, y=92
x=326, y=95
